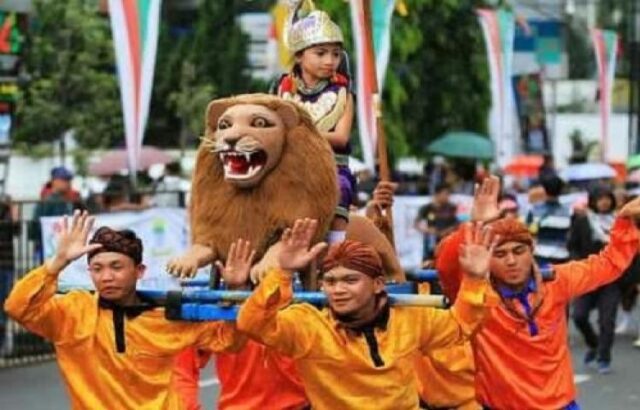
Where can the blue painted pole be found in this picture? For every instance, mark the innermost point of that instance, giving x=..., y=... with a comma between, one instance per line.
x=313, y=298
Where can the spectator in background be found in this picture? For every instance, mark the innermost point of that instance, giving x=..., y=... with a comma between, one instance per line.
x=629, y=286
x=58, y=198
x=508, y=205
x=436, y=219
x=171, y=189
x=589, y=234
x=549, y=221
x=8, y=229
x=548, y=168
x=118, y=195
x=60, y=183
x=436, y=173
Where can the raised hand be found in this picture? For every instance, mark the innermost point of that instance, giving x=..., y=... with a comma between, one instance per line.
x=72, y=241
x=475, y=252
x=631, y=209
x=294, y=252
x=485, y=200
x=236, y=272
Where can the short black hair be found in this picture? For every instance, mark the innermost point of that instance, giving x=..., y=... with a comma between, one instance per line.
x=442, y=187
x=599, y=192
x=552, y=185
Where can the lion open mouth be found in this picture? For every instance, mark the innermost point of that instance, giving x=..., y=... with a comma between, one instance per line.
x=242, y=165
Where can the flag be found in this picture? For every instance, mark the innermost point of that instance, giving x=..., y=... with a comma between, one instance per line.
x=605, y=44
x=134, y=25
x=367, y=103
x=498, y=28
x=381, y=14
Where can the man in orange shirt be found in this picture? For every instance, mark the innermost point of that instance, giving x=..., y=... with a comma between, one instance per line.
x=359, y=353
x=115, y=348
x=521, y=351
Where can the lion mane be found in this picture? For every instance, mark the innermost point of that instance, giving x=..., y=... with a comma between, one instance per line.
x=303, y=184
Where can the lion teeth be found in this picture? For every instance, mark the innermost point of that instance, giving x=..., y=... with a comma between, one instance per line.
x=247, y=156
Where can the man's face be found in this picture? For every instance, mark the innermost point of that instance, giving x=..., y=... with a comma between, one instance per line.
x=350, y=292
x=61, y=185
x=442, y=197
x=115, y=275
x=511, y=263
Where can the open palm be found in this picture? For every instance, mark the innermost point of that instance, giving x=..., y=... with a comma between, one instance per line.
x=485, y=200
x=72, y=240
x=475, y=252
x=236, y=271
x=294, y=253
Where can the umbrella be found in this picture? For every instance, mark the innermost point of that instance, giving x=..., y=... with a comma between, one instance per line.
x=462, y=144
x=524, y=165
x=116, y=161
x=633, y=162
x=585, y=172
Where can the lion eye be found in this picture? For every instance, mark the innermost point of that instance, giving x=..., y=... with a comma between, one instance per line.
x=260, y=122
x=224, y=124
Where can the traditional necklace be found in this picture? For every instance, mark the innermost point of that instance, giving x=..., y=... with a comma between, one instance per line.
x=302, y=88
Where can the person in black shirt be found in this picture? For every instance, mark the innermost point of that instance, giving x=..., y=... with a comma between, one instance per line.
x=436, y=219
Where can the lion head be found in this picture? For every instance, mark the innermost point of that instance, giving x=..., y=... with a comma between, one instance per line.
x=262, y=165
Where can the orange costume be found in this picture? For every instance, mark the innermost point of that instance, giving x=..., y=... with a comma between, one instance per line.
x=111, y=357
x=516, y=369
x=340, y=369
x=256, y=377
x=446, y=377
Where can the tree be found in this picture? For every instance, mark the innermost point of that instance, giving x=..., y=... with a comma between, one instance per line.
x=73, y=85
x=437, y=79
x=202, y=55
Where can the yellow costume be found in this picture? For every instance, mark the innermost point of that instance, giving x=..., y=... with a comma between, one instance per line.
x=344, y=370
x=104, y=368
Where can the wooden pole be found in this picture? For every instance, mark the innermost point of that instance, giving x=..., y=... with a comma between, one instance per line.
x=381, y=143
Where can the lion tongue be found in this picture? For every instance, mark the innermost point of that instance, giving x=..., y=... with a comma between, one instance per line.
x=239, y=165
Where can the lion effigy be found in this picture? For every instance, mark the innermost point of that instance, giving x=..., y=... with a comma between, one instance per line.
x=262, y=165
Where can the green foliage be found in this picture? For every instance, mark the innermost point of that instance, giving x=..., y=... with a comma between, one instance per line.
x=189, y=102
x=437, y=79
x=72, y=84
x=203, y=60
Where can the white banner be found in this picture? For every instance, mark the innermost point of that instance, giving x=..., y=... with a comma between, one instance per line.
x=164, y=233
x=408, y=239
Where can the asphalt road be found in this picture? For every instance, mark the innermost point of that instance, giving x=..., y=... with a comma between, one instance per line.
x=39, y=387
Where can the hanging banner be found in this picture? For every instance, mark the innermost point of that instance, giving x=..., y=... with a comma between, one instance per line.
x=498, y=28
x=605, y=44
x=381, y=14
x=365, y=103
x=530, y=107
x=134, y=25
x=164, y=235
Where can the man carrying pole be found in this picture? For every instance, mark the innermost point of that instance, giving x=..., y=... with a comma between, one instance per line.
x=115, y=349
x=521, y=352
x=360, y=350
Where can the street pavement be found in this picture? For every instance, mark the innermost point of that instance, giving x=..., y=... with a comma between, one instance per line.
x=39, y=386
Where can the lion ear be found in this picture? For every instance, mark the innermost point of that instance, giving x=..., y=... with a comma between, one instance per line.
x=214, y=110
x=289, y=115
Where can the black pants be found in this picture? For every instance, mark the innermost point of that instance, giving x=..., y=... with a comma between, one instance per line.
x=606, y=300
